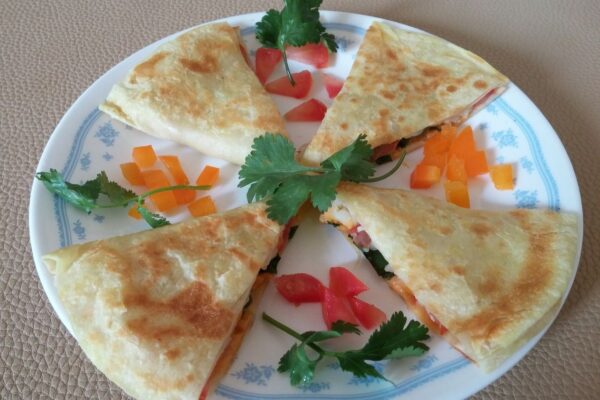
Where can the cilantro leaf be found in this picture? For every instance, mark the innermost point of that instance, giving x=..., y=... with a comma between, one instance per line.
x=378, y=262
x=87, y=195
x=394, y=339
x=345, y=327
x=299, y=365
x=295, y=25
x=395, y=335
x=115, y=192
x=271, y=171
x=82, y=196
x=154, y=220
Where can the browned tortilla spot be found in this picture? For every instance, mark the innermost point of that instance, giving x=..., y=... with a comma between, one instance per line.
x=147, y=69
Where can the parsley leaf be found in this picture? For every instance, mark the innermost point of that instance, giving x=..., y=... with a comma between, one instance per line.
x=271, y=171
x=394, y=339
x=295, y=25
x=87, y=195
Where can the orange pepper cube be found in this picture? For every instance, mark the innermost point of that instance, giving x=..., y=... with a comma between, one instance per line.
x=424, y=176
x=174, y=166
x=502, y=176
x=132, y=173
x=439, y=160
x=202, y=206
x=456, y=170
x=476, y=163
x=184, y=196
x=156, y=179
x=457, y=193
x=134, y=213
x=144, y=156
x=464, y=144
x=437, y=144
x=208, y=176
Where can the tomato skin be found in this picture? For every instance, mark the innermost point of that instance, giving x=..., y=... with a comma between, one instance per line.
x=299, y=288
x=369, y=315
x=336, y=308
x=344, y=283
x=266, y=61
x=283, y=86
x=312, y=54
x=309, y=111
x=332, y=84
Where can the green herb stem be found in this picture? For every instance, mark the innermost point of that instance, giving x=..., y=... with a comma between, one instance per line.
x=139, y=199
x=389, y=173
x=291, y=332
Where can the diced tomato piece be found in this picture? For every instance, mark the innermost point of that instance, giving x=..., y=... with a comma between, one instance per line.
x=311, y=110
x=369, y=315
x=336, y=308
x=134, y=213
x=456, y=169
x=464, y=144
x=502, y=176
x=174, y=166
x=457, y=193
x=299, y=288
x=283, y=86
x=332, y=84
x=344, y=283
x=203, y=206
x=132, y=173
x=424, y=176
x=314, y=54
x=384, y=150
x=476, y=163
x=266, y=61
x=208, y=176
x=144, y=156
x=439, y=160
x=437, y=144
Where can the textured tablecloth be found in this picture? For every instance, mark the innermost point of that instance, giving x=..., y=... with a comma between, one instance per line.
x=50, y=52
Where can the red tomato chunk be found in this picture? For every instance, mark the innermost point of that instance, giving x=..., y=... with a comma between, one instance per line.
x=343, y=282
x=336, y=308
x=369, y=315
x=299, y=288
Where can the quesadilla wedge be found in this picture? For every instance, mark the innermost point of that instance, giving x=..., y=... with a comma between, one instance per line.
x=198, y=90
x=487, y=281
x=163, y=312
x=403, y=85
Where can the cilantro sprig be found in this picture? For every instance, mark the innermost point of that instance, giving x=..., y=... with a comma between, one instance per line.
x=272, y=172
x=87, y=197
x=393, y=340
x=295, y=25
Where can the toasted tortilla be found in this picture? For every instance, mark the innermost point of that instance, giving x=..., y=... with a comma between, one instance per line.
x=198, y=90
x=154, y=310
x=400, y=84
x=493, y=279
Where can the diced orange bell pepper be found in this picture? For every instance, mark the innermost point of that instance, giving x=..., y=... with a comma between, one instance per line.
x=174, y=166
x=424, y=176
x=134, y=213
x=132, y=173
x=448, y=131
x=208, y=176
x=502, y=176
x=463, y=145
x=202, y=206
x=476, y=163
x=184, y=196
x=155, y=179
x=144, y=156
x=437, y=144
x=457, y=193
x=456, y=170
x=439, y=160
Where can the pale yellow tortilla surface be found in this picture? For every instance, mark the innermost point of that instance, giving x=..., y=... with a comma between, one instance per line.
x=153, y=310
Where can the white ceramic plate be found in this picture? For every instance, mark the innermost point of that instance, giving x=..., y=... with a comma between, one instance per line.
x=512, y=130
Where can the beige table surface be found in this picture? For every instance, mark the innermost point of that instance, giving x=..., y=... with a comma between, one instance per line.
x=52, y=51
